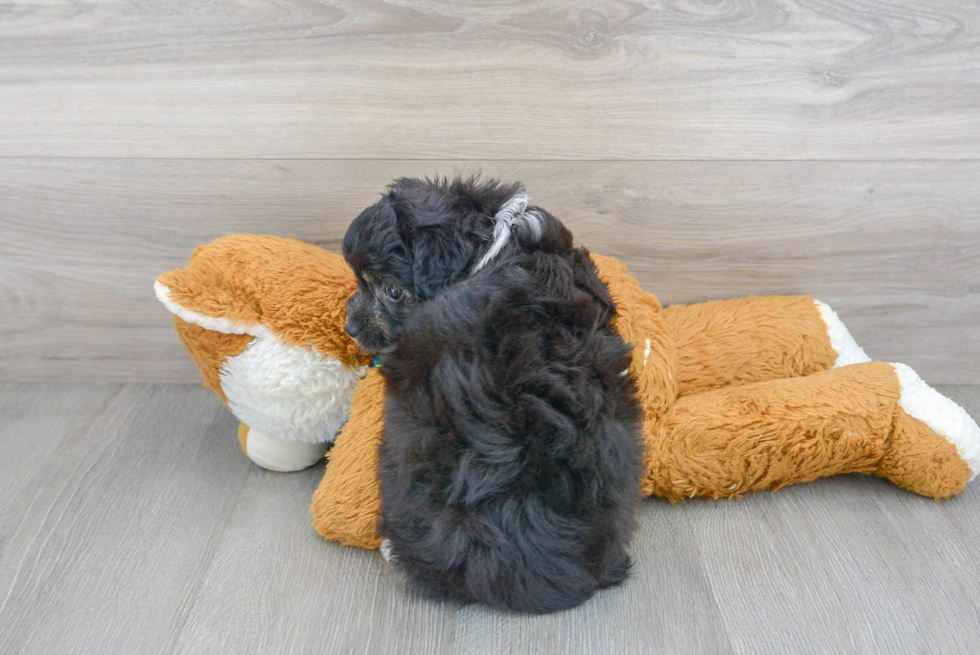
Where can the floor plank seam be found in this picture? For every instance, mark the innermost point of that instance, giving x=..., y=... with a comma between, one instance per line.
x=929, y=538
x=214, y=545
x=711, y=585
x=47, y=513
x=493, y=160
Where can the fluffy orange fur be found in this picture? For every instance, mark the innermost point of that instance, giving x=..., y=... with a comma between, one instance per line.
x=737, y=399
x=296, y=290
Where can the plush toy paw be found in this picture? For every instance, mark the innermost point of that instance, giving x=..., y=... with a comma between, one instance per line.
x=277, y=455
x=934, y=449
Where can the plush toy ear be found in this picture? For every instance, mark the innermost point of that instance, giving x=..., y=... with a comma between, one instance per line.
x=441, y=253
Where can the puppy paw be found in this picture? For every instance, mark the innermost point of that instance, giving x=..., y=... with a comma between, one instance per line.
x=388, y=551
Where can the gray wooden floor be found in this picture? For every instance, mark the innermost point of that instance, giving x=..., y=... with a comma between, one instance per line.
x=131, y=523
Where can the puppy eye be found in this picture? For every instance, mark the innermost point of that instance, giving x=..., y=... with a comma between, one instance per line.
x=392, y=293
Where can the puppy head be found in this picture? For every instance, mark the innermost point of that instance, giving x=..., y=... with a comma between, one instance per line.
x=422, y=236
x=385, y=278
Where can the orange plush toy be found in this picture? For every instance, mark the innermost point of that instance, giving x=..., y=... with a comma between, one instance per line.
x=739, y=395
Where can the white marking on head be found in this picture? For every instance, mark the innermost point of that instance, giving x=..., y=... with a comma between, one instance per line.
x=513, y=213
x=532, y=220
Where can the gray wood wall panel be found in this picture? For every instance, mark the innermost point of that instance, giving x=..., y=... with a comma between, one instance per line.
x=893, y=246
x=545, y=79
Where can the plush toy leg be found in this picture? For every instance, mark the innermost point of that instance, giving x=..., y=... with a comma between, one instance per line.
x=749, y=340
x=347, y=504
x=767, y=435
x=277, y=455
x=935, y=446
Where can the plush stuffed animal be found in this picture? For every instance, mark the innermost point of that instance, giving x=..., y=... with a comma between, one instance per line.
x=263, y=318
x=739, y=395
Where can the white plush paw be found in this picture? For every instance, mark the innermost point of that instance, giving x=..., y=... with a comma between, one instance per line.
x=283, y=456
x=848, y=352
x=387, y=550
x=941, y=414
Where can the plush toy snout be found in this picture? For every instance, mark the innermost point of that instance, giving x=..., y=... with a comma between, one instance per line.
x=277, y=455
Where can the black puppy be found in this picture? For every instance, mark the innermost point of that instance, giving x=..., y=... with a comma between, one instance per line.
x=511, y=460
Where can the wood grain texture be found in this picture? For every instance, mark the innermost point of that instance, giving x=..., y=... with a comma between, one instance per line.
x=105, y=538
x=844, y=553
x=33, y=425
x=275, y=586
x=543, y=79
x=139, y=527
x=893, y=246
x=667, y=606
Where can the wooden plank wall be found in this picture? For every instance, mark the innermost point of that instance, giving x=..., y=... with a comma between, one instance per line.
x=720, y=148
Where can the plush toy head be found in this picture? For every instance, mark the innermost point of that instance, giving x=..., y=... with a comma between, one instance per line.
x=263, y=317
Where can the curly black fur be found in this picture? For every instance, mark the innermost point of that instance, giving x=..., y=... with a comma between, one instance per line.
x=422, y=236
x=511, y=459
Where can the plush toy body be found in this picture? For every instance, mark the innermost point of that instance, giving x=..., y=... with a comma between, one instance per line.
x=739, y=395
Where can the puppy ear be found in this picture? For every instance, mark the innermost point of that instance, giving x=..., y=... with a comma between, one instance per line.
x=440, y=254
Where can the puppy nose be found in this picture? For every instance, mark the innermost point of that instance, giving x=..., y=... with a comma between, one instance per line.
x=352, y=330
